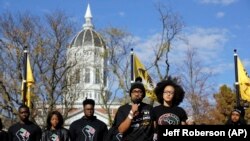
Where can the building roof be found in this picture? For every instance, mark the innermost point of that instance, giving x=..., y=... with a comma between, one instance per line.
x=88, y=36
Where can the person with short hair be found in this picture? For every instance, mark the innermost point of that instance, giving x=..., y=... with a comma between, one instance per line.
x=88, y=128
x=24, y=130
x=55, y=130
x=237, y=117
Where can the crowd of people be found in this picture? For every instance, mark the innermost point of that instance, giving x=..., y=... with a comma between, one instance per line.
x=134, y=121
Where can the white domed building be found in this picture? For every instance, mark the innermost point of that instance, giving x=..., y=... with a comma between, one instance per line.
x=86, y=77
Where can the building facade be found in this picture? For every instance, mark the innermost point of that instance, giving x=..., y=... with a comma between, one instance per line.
x=86, y=78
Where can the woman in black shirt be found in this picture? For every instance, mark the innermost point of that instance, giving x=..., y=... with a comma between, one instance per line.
x=55, y=130
x=169, y=95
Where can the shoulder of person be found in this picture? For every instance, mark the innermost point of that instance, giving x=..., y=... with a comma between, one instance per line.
x=45, y=131
x=77, y=121
x=74, y=124
x=123, y=107
x=36, y=126
x=64, y=130
x=180, y=108
x=15, y=125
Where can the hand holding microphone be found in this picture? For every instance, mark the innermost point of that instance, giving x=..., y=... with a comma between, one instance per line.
x=135, y=108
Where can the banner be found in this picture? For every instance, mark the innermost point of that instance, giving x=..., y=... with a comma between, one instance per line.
x=30, y=82
x=140, y=71
x=244, y=81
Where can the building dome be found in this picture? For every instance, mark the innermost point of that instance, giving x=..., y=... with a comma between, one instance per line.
x=88, y=36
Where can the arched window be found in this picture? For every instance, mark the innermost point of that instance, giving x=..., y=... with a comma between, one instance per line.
x=97, y=76
x=87, y=75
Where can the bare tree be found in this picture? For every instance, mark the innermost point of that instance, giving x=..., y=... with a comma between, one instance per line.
x=16, y=32
x=119, y=45
x=171, y=27
x=52, y=62
x=195, y=81
x=47, y=41
x=120, y=42
x=117, y=69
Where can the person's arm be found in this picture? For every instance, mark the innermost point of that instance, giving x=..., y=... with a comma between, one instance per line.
x=39, y=134
x=72, y=133
x=153, y=118
x=43, y=136
x=124, y=126
x=183, y=123
x=5, y=136
x=66, y=135
x=104, y=132
x=10, y=136
x=155, y=136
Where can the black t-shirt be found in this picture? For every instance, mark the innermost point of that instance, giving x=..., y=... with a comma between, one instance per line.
x=141, y=128
x=168, y=115
x=88, y=129
x=61, y=134
x=3, y=135
x=24, y=132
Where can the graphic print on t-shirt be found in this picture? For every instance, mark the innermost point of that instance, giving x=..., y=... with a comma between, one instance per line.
x=54, y=137
x=22, y=134
x=168, y=119
x=145, y=118
x=118, y=136
x=89, y=133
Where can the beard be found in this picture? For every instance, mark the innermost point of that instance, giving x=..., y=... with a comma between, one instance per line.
x=136, y=100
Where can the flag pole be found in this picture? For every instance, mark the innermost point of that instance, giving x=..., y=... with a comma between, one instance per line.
x=236, y=79
x=25, y=75
x=132, y=65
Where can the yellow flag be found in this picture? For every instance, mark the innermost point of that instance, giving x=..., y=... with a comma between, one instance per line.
x=30, y=81
x=140, y=71
x=30, y=78
x=244, y=81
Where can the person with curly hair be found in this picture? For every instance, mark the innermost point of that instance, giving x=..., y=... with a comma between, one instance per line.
x=55, y=130
x=169, y=95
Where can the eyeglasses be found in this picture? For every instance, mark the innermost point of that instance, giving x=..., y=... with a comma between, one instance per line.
x=137, y=91
x=168, y=92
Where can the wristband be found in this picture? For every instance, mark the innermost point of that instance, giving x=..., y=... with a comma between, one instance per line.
x=131, y=112
x=130, y=116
